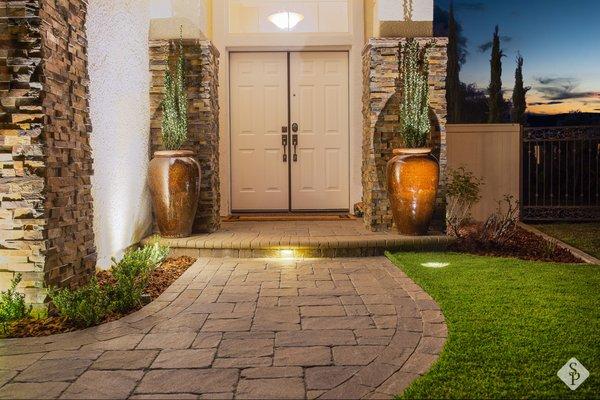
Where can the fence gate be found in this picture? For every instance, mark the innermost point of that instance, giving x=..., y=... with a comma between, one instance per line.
x=560, y=174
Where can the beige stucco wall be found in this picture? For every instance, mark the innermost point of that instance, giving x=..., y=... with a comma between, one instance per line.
x=119, y=109
x=170, y=17
x=489, y=151
x=398, y=18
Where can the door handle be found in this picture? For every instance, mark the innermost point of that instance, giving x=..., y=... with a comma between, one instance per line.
x=295, y=144
x=284, y=143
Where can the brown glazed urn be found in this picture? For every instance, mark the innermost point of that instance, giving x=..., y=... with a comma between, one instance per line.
x=412, y=180
x=175, y=187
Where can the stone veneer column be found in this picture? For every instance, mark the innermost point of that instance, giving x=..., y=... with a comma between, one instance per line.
x=381, y=96
x=202, y=66
x=45, y=158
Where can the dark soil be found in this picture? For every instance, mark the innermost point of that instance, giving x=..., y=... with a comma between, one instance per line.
x=520, y=244
x=160, y=279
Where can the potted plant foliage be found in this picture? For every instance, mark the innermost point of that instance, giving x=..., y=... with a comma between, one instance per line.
x=174, y=173
x=413, y=172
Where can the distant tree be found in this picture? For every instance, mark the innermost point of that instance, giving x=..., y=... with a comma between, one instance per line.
x=476, y=105
x=454, y=98
x=519, y=102
x=495, y=89
x=441, y=27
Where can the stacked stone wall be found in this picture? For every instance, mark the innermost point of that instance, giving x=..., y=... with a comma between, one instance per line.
x=202, y=66
x=45, y=158
x=381, y=97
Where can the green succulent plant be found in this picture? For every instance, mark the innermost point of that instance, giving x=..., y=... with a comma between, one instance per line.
x=175, y=104
x=414, y=104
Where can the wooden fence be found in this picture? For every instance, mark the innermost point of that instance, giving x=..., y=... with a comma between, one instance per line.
x=489, y=151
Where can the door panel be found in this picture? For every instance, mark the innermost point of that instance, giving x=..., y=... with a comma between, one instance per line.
x=319, y=105
x=259, y=108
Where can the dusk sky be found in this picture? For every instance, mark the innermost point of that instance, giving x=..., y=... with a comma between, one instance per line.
x=559, y=40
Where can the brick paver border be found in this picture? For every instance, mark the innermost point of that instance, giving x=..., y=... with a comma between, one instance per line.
x=246, y=328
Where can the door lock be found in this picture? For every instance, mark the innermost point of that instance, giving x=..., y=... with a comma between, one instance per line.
x=294, y=127
x=284, y=143
x=295, y=144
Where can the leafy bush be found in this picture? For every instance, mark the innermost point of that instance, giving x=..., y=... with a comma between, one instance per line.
x=154, y=252
x=462, y=192
x=90, y=304
x=132, y=274
x=85, y=306
x=12, y=303
x=502, y=225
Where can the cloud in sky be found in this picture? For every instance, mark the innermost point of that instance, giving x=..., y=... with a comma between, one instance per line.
x=561, y=88
x=470, y=6
x=488, y=45
x=546, y=103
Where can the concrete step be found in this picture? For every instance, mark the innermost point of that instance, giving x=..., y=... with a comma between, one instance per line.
x=299, y=239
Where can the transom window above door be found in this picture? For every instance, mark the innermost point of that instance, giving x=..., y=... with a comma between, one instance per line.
x=288, y=16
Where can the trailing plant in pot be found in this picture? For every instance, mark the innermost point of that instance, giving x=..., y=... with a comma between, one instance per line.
x=413, y=172
x=174, y=173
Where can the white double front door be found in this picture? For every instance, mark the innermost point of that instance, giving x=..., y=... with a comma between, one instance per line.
x=289, y=131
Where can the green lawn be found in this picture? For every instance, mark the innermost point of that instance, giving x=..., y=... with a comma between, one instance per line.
x=512, y=325
x=584, y=236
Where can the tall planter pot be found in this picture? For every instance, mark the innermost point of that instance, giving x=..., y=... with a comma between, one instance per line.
x=412, y=180
x=175, y=188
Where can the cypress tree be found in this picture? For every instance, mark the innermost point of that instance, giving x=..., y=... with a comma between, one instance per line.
x=519, y=93
x=453, y=92
x=495, y=89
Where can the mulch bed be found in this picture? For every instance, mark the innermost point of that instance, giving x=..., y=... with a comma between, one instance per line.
x=522, y=244
x=160, y=279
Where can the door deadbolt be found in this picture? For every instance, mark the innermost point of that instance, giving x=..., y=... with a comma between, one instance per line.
x=294, y=127
x=284, y=144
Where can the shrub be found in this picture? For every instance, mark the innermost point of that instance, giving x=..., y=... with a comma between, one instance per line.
x=462, y=192
x=131, y=276
x=85, y=306
x=90, y=304
x=502, y=225
x=12, y=303
x=154, y=252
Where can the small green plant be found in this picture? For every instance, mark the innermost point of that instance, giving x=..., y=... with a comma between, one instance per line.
x=85, y=306
x=462, y=193
x=154, y=252
x=90, y=304
x=12, y=303
x=175, y=103
x=132, y=274
x=414, y=104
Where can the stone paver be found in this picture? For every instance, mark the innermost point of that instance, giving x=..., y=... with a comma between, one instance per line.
x=246, y=328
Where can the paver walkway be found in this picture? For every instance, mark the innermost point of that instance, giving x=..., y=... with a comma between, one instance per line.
x=245, y=328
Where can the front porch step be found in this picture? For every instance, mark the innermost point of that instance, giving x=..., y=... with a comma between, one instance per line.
x=299, y=239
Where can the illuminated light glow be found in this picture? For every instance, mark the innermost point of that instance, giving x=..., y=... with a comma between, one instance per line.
x=286, y=20
x=286, y=253
x=435, y=264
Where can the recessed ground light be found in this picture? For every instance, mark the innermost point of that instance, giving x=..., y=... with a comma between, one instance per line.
x=435, y=264
x=286, y=20
x=286, y=253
